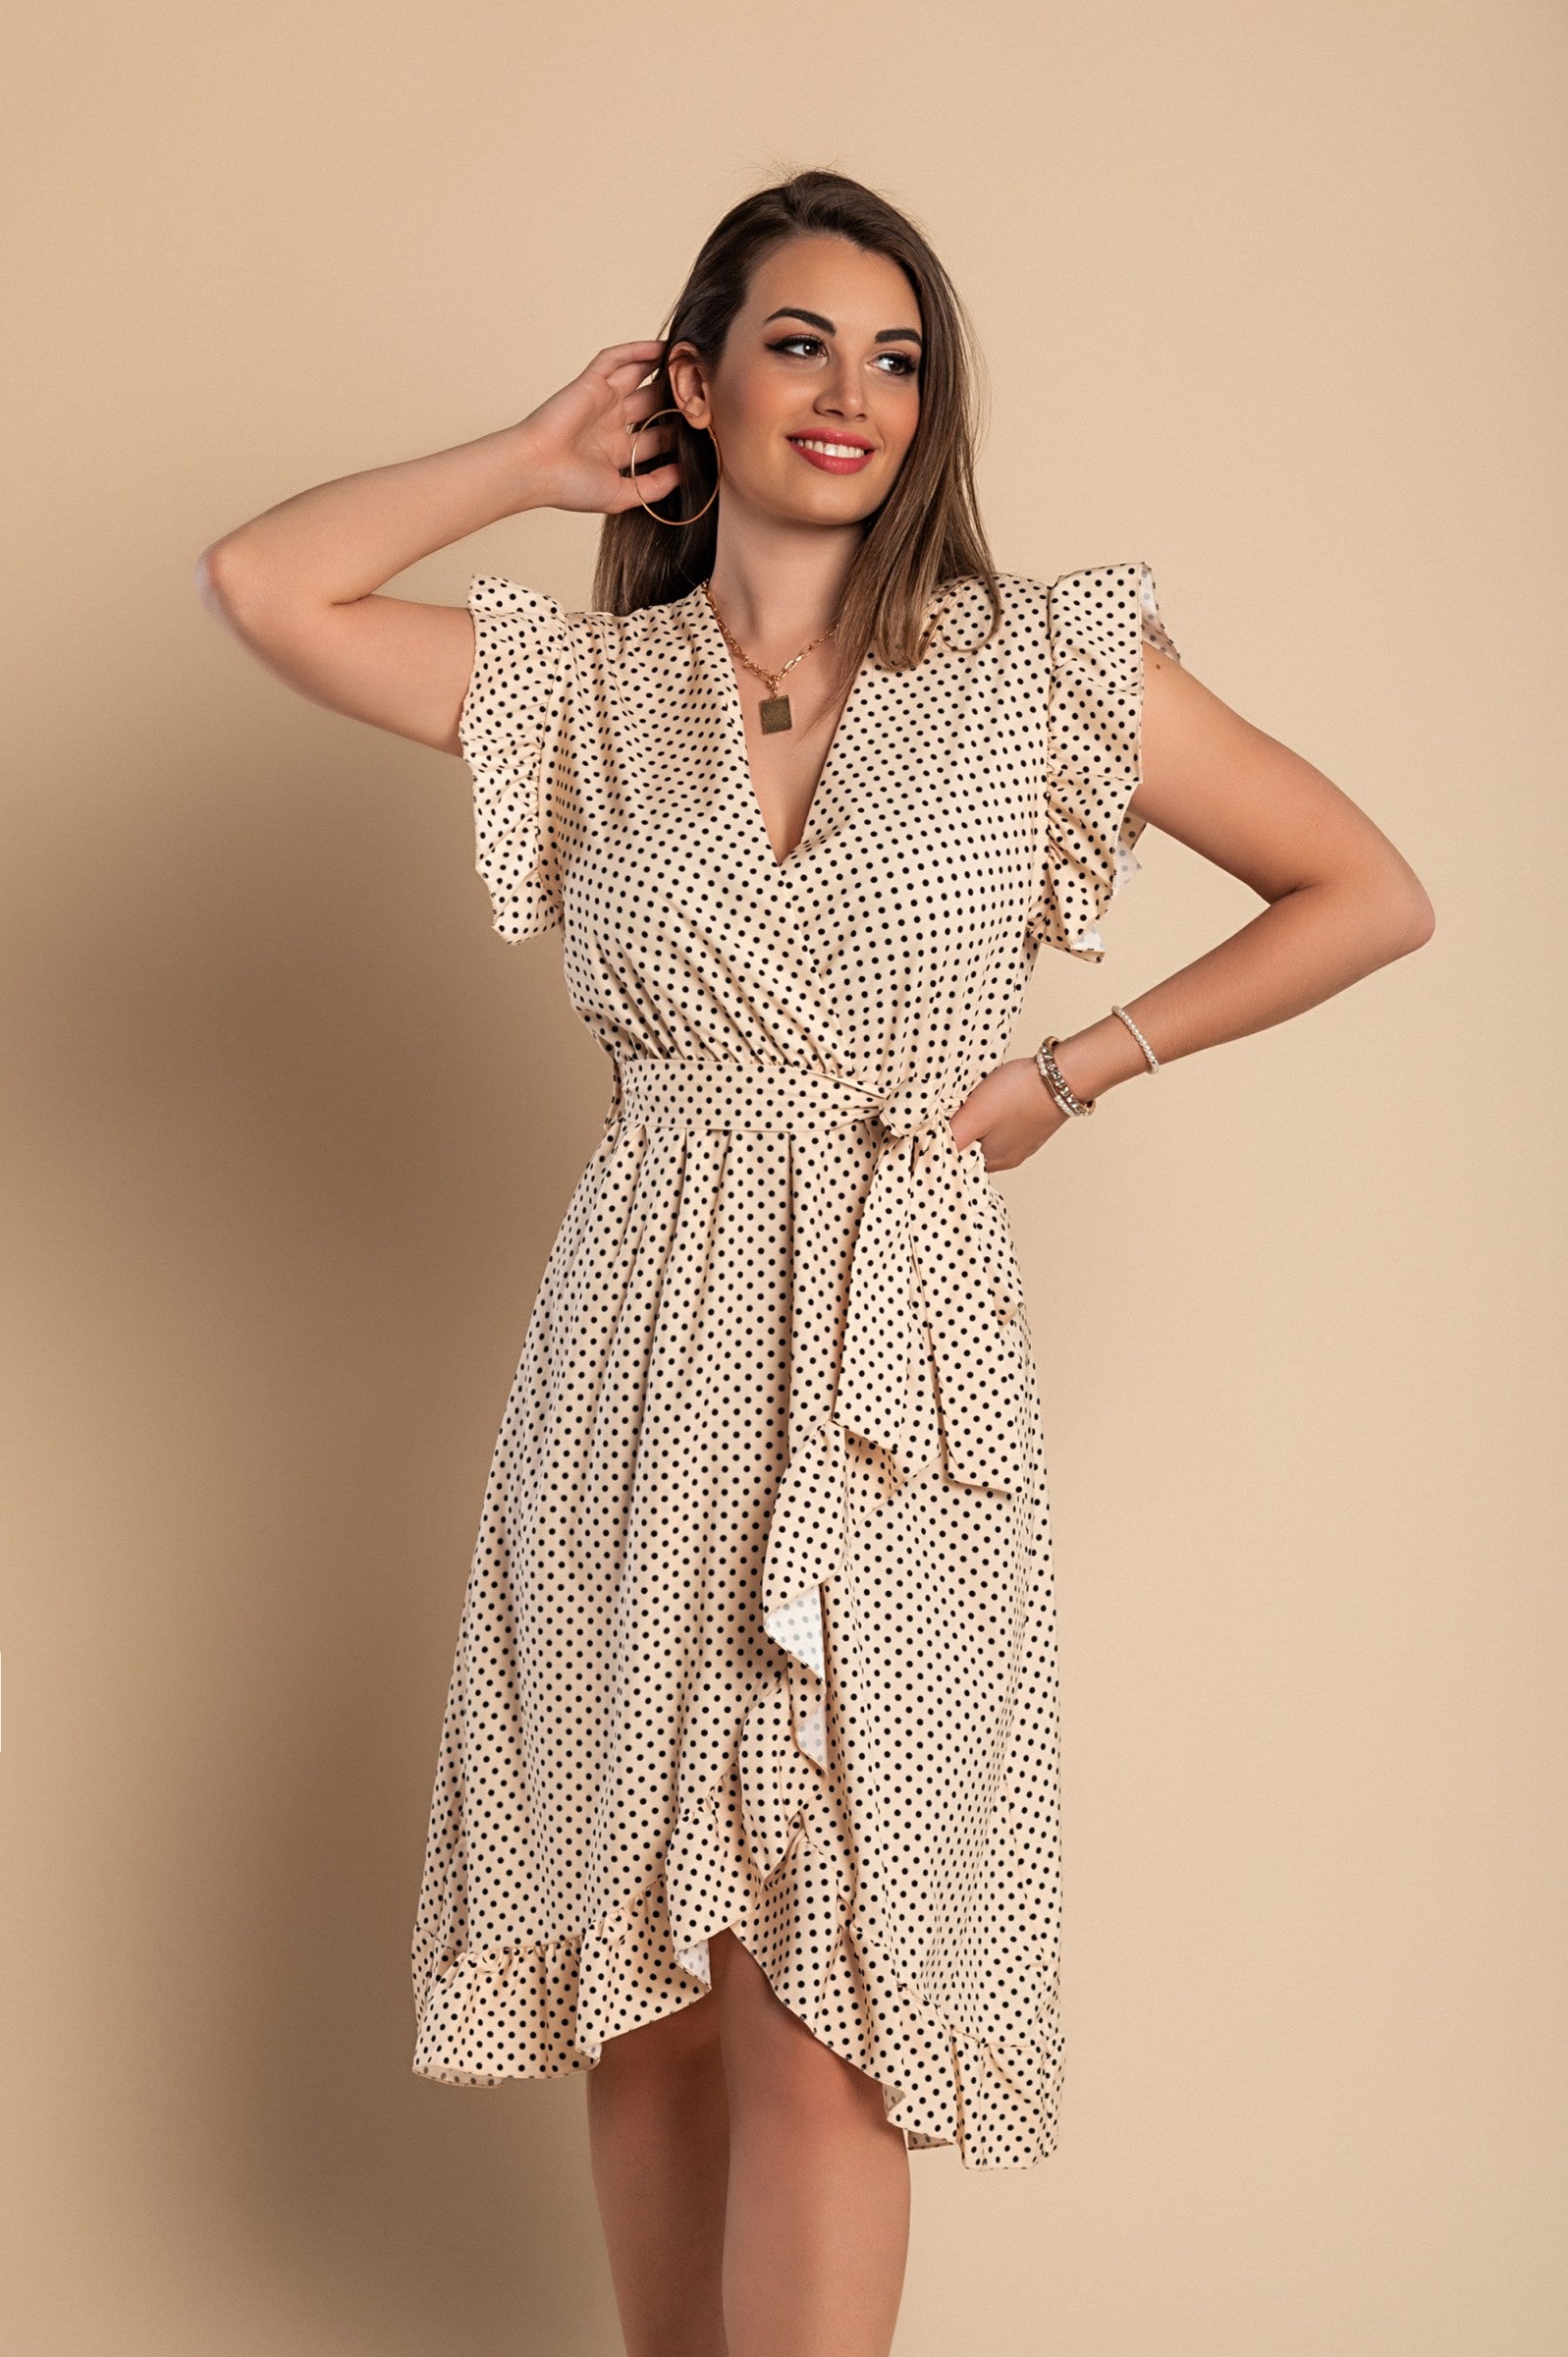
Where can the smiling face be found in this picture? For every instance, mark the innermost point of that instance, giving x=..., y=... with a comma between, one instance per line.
x=815, y=397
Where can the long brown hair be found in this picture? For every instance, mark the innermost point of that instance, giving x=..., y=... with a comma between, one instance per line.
x=926, y=534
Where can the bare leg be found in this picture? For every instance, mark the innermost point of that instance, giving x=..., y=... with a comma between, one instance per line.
x=658, y=2141
x=817, y=2228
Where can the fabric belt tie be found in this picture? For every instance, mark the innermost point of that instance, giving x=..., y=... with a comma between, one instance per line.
x=930, y=1369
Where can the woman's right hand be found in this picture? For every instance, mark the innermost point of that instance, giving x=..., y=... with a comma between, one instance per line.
x=579, y=440
x=300, y=585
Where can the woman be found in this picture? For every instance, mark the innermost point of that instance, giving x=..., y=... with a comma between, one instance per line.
x=747, y=1795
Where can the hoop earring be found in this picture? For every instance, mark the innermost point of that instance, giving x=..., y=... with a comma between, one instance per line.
x=676, y=523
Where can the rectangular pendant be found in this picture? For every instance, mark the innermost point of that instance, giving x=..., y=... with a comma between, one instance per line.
x=776, y=715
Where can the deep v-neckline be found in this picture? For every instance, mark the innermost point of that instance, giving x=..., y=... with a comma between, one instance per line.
x=735, y=716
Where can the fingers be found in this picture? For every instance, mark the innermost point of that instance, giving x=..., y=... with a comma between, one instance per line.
x=642, y=404
x=658, y=443
x=647, y=468
x=649, y=489
x=640, y=408
x=617, y=359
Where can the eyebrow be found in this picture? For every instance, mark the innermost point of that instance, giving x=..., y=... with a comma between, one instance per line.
x=884, y=335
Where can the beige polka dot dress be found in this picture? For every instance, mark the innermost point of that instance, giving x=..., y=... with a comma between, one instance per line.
x=760, y=1628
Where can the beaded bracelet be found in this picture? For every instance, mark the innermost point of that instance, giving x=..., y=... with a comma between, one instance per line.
x=1150, y=1058
x=1051, y=1074
x=1046, y=1064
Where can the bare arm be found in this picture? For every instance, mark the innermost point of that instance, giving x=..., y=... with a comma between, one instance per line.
x=1342, y=902
x=297, y=584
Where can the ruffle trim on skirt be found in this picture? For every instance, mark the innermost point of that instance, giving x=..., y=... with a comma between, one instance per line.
x=545, y=2008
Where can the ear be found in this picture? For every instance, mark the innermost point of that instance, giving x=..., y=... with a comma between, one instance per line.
x=688, y=383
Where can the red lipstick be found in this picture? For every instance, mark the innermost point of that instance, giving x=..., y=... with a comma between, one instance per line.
x=832, y=460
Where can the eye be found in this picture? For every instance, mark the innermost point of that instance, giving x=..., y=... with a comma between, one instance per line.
x=904, y=363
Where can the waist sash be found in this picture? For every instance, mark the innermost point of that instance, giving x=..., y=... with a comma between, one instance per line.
x=931, y=1370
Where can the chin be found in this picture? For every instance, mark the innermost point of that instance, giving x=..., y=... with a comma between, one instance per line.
x=821, y=506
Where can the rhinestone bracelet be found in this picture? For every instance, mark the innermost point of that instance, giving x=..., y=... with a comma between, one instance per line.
x=1150, y=1058
x=1046, y=1064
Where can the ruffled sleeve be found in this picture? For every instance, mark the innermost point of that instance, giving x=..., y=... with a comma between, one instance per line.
x=513, y=732
x=1098, y=621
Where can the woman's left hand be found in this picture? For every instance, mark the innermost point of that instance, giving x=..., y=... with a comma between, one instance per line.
x=1012, y=1112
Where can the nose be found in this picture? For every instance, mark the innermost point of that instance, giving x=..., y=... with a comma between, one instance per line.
x=842, y=395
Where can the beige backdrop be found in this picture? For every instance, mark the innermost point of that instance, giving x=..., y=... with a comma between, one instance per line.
x=1269, y=299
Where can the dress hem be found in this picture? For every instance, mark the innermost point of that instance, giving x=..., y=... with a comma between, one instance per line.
x=998, y=2096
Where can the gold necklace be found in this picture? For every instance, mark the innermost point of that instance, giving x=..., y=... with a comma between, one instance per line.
x=776, y=713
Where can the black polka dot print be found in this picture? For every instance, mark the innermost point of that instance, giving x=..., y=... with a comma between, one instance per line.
x=760, y=1628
